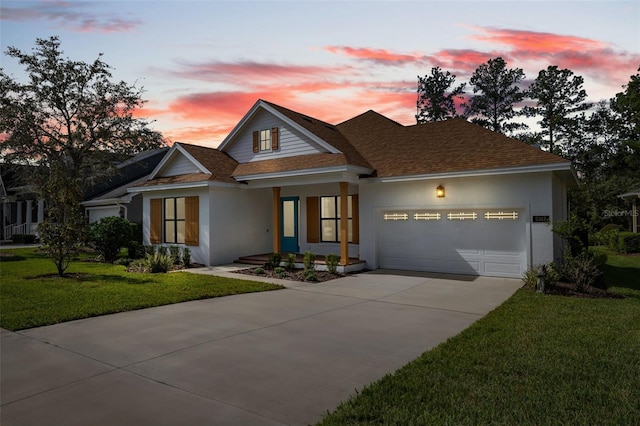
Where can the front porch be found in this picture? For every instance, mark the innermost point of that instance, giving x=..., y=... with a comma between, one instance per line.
x=355, y=264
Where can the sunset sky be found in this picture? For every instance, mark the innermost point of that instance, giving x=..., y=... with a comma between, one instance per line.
x=203, y=64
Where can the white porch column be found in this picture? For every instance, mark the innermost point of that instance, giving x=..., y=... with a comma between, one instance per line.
x=40, y=211
x=344, y=223
x=29, y=211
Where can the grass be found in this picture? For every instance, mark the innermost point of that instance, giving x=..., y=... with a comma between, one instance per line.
x=537, y=359
x=31, y=295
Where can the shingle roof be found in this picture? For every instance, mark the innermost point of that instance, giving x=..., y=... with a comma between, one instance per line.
x=447, y=146
x=218, y=163
x=378, y=143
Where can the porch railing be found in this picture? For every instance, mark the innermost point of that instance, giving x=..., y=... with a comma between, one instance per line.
x=23, y=228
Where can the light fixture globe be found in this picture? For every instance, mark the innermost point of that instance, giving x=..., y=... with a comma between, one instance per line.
x=440, y=191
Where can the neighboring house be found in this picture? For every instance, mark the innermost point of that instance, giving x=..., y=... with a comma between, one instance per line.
x=109, y=196
x=21, y=209
x=633, y=196
x=447, y=196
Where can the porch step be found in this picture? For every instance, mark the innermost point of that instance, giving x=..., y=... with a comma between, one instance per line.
x=253, y=260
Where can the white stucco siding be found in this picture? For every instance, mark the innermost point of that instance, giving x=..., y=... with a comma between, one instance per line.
x=200, y=253
x=291, y=142
x=241, y=223
x=100, y=212
x=528, y=194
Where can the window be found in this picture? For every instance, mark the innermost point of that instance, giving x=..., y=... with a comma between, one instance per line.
x=265, y=140
x=174, y=220
x=330, y=219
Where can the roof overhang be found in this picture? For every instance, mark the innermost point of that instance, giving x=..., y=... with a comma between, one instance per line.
x=564, y=169
x=108, y=201
x=354, y=170
x=185, y=185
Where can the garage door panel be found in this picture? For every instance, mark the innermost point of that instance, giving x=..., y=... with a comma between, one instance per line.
x=479, y=247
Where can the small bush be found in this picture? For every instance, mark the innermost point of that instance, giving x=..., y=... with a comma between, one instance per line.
x=274, y=260
x=162, y=250
x=139, y=265
x=186, y=256
x=283, y=275
x=581, y=270
x=309, y=261
x=108, y=235
x=628, y=242
x=125, y=261
x=174, y=253
x=551, y=276
x=332, y=261
x=149, y=250
x=259, y=271
x=279, y=270
x=135, y=250
x=310, y=275
x=291, y=261
x=23, y=238
x=159, y=263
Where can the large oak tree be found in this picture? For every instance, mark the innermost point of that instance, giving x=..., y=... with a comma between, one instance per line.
x=70, y=120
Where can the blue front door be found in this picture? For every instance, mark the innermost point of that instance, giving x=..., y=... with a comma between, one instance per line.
x=289, y=225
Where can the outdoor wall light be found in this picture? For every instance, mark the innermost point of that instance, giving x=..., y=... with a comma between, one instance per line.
x=440, y=191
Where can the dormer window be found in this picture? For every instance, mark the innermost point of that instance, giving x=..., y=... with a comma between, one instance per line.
x=265, y=140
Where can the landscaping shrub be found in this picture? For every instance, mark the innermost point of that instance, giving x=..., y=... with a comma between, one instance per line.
x=162, y=250
x=291, y=261
x=332, y=261
x=125, y=261
x=310, y=275
x=628, y=242
x=581, y=270
x=274, y=260
x=551, y=275
x=108, y=235
x=149, y=250
x=158, y=263
x=259, y=271
x=186, y=256
x=309, y=261
x=135, y=250
x=174, y=253
x=23, y=238
x=279, y=270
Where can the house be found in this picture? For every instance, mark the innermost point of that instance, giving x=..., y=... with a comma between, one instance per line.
x=109, y=196
x=21, y=207
x=446, y=196
x=633, y=197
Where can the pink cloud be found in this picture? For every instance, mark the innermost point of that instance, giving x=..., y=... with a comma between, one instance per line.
x=69, y=15
x=380, y=56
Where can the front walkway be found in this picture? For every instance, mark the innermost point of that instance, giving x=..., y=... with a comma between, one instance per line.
x=279, y=357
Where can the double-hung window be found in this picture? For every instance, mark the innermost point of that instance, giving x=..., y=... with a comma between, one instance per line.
x=174, y=220
x=330, y=219
x=265, y=140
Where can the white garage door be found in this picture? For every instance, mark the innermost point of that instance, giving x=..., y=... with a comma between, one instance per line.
x=476, y=242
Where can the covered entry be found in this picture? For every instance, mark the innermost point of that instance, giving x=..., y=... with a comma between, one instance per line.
x=488, y=242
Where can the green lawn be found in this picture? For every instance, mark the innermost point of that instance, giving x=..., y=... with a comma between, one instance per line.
x=31, y=296
x=535, y=360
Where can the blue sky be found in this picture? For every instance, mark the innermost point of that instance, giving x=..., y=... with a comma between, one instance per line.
x=204, y=63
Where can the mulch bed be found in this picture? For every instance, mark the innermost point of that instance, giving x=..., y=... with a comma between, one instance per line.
x=296, y=275
x=571, y=290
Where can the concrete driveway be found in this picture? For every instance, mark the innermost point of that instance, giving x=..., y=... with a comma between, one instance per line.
x=281, y=357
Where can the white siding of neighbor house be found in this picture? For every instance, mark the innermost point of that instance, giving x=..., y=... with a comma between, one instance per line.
x=531, y=194
x=560, y=213
x=291, y=141
x=178, y=165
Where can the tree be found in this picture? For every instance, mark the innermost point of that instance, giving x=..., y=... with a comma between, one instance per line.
x=71, y=120
x=627, y=104
x=559, y=97
x=497, y=92
x=436, y=98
